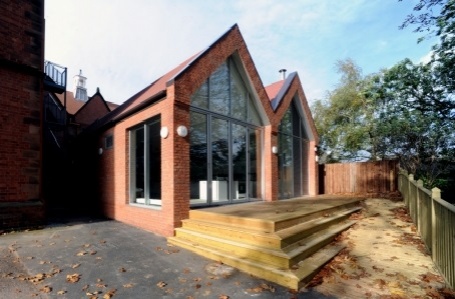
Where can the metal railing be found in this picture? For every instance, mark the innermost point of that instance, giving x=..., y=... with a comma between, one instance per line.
x=56, y=72
x=435, y=222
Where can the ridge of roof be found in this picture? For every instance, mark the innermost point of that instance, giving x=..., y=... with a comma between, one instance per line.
x=285, y=84
x=158, y=86
x=273, y=89
x=201, y=53
x=97, y=93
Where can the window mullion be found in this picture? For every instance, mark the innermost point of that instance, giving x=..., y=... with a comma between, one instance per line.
x=146, y=165
x=209, y=158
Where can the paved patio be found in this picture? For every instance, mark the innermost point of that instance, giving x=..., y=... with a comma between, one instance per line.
x=98, y=259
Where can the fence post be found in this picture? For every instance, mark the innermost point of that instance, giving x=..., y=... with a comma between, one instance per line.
x=407, y=199
x=435, y=194
x=419, y=212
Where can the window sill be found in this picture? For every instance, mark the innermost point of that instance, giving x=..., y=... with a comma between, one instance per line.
x=150, y=207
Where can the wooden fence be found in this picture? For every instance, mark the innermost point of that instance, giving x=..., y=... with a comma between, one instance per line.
x=435, y=222
x=363, y=177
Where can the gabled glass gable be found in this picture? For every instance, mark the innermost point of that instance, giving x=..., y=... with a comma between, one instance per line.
x=224, y=140
x=225, y=93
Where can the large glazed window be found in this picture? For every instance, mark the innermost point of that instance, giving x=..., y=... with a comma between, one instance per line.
x=145, y=163
x=225, y=140
x=293, y=153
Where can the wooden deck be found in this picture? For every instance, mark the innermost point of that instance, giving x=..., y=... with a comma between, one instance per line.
x=279, y=241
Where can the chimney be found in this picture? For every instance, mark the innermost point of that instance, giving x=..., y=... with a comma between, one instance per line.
x=283, y=74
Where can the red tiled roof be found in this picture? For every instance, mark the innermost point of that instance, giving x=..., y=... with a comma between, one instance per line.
x=72, y=105
x=153, y=89
x=273, y=89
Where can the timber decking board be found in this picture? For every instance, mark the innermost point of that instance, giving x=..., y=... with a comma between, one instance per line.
x=274, y=216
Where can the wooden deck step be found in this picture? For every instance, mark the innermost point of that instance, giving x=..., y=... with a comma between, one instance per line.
x=283, y=258
x=291, y=278
x=269, y=217
x=235, y=233
x=269, y=240
x=285, y=242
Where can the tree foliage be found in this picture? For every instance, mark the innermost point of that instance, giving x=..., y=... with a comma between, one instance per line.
x=437, y=19
x=412, y=122
x=341, y=117
x=394, y=114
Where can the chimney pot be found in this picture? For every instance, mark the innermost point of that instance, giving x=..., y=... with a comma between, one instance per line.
x=283, y=73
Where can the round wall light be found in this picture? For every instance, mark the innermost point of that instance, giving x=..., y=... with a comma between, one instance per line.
x=100, y=151
x=164, y=132
x=275, y=149
x=182, y=131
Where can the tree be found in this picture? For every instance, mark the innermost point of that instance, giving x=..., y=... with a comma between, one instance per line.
x=411, y=123
x=343, y=119
x=398, y=113
x=437, y=19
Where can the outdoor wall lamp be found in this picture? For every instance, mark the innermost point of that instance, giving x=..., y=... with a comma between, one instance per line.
x=275, y=149
x=182, y=131
x=100, y=151
x=164, y=132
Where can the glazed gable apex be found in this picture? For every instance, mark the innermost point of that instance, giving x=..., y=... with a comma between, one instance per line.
x=284, y=93
x=230, y=45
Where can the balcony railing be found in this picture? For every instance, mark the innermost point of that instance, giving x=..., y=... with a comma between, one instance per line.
x=56, y=76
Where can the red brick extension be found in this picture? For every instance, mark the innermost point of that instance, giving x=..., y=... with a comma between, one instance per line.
x=175, y=172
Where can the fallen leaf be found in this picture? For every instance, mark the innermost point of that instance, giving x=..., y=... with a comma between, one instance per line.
x=73, y=278
x=122, y=270
x=223, y=297
x=255, y=290
x=128, y=285
x=380, y=283
x=82, y=253
x=75, y=266
x=85, y=288
x=61, y=292
x=109, y=294
x=46, y=289
x=430, y=277
x=93, y=252
x=161, y=284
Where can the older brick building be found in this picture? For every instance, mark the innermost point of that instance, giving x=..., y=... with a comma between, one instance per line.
x=21, y=98
x=206, y=133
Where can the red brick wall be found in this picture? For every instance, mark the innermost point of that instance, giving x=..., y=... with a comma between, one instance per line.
x=114, y=174
x=21, y=66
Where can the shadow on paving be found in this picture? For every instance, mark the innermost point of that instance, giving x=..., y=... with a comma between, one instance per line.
x=83, y=257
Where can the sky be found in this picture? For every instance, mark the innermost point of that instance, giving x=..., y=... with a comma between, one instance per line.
x=123, y=46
